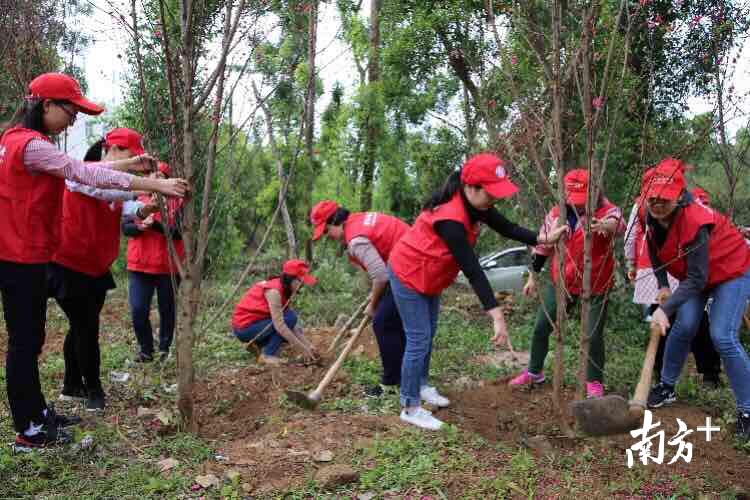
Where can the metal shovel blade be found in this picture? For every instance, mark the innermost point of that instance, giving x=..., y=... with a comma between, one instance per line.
x=604, y=416
x=301, y=399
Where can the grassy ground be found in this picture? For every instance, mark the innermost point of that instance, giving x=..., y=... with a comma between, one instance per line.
x=395, y=461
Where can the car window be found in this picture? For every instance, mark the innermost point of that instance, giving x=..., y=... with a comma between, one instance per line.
x=512, y=259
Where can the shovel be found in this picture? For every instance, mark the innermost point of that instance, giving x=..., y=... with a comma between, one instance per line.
x=311, y=400
x=335, y=344
x=613, y=414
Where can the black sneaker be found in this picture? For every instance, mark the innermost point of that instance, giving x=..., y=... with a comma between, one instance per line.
x=660, y=395
x=163, y=356
x=743, y=426
x=374, y=391
x=95, y=401
x=48, y=436
x=73, y=394
x=142, y=357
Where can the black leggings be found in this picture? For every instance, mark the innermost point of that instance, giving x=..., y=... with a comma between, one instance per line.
x=24, y=294
x=81, y=348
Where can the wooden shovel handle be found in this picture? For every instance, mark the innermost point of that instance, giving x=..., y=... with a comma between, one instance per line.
x=638, y=403
x=315, y=395
x=347, y=325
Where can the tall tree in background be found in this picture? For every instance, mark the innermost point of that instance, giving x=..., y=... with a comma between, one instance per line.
x=374, y=109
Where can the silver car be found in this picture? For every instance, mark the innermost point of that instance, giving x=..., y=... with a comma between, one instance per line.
x=506, y=270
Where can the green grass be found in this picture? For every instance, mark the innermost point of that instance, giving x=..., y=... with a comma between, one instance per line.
x=123, y=466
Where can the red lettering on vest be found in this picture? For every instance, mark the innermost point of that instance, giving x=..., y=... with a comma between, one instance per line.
x=253, y=306
x=31, y=205
x=421, y=259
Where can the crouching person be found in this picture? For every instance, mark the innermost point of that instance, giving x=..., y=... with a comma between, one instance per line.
x=264, y=318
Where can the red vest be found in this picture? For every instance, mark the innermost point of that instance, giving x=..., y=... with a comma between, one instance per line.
x=148, y=252
x=30, y=205
x=382, y=230
x=90, y=239
x=728, y=254
x=421, y=259
x=602, y=257
x=253, y=306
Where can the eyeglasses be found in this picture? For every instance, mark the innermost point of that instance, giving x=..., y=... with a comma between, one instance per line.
x=72, y=114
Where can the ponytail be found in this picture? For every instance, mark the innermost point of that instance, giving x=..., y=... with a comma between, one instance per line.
x=95, y=152
x=447, y=191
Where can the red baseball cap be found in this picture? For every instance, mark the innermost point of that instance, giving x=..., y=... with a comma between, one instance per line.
x=62, y=87
x=164, y=168
x=488, y=171
x=666, y=180
x=320, y=214
x=125, y=138
x=576, y=186
x=701, y=195
x=299, y=269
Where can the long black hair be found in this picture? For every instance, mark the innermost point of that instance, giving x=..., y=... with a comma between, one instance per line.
x=450, y=187
x=29, y=115
x=95, y=152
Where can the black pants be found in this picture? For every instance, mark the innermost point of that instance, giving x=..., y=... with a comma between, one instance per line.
x=389, y=332
x=81, y=348
x=707, y=360
x=24, y=293
x=141, y=287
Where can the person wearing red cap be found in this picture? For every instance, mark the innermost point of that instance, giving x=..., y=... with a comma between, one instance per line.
x=32, y=173
x=606, y=223
x=701, y=248
x=369, y=238
x=646, y=293
x=79, y=275
x=152, y=269
x=264, y=318
x=427, y=259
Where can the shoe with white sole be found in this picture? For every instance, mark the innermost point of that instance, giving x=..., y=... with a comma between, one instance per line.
x=421, y=418
x=430, y=395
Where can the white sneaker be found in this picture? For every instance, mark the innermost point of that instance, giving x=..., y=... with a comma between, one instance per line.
x=421, y=418
x=430, y=395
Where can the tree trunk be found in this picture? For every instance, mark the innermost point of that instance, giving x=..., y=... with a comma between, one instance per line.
x=185, y=323
x=557, y=158
x=373, y=119
x=310, y=96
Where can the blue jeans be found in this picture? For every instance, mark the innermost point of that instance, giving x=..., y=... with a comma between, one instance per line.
x=725, y=315
x=141, y=287
x=419, y=314
x=265, y=335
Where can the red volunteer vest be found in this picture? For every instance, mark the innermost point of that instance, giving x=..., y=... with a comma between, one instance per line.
x=148, y=252
x=602, y=257
x=382, y=230
x=90, y=239
x=421, y=259
x=253, y=306
x=728, y=254
x=30, y=205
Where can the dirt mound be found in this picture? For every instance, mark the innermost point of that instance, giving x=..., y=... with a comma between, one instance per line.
x=501, y=414
x=271, y=442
